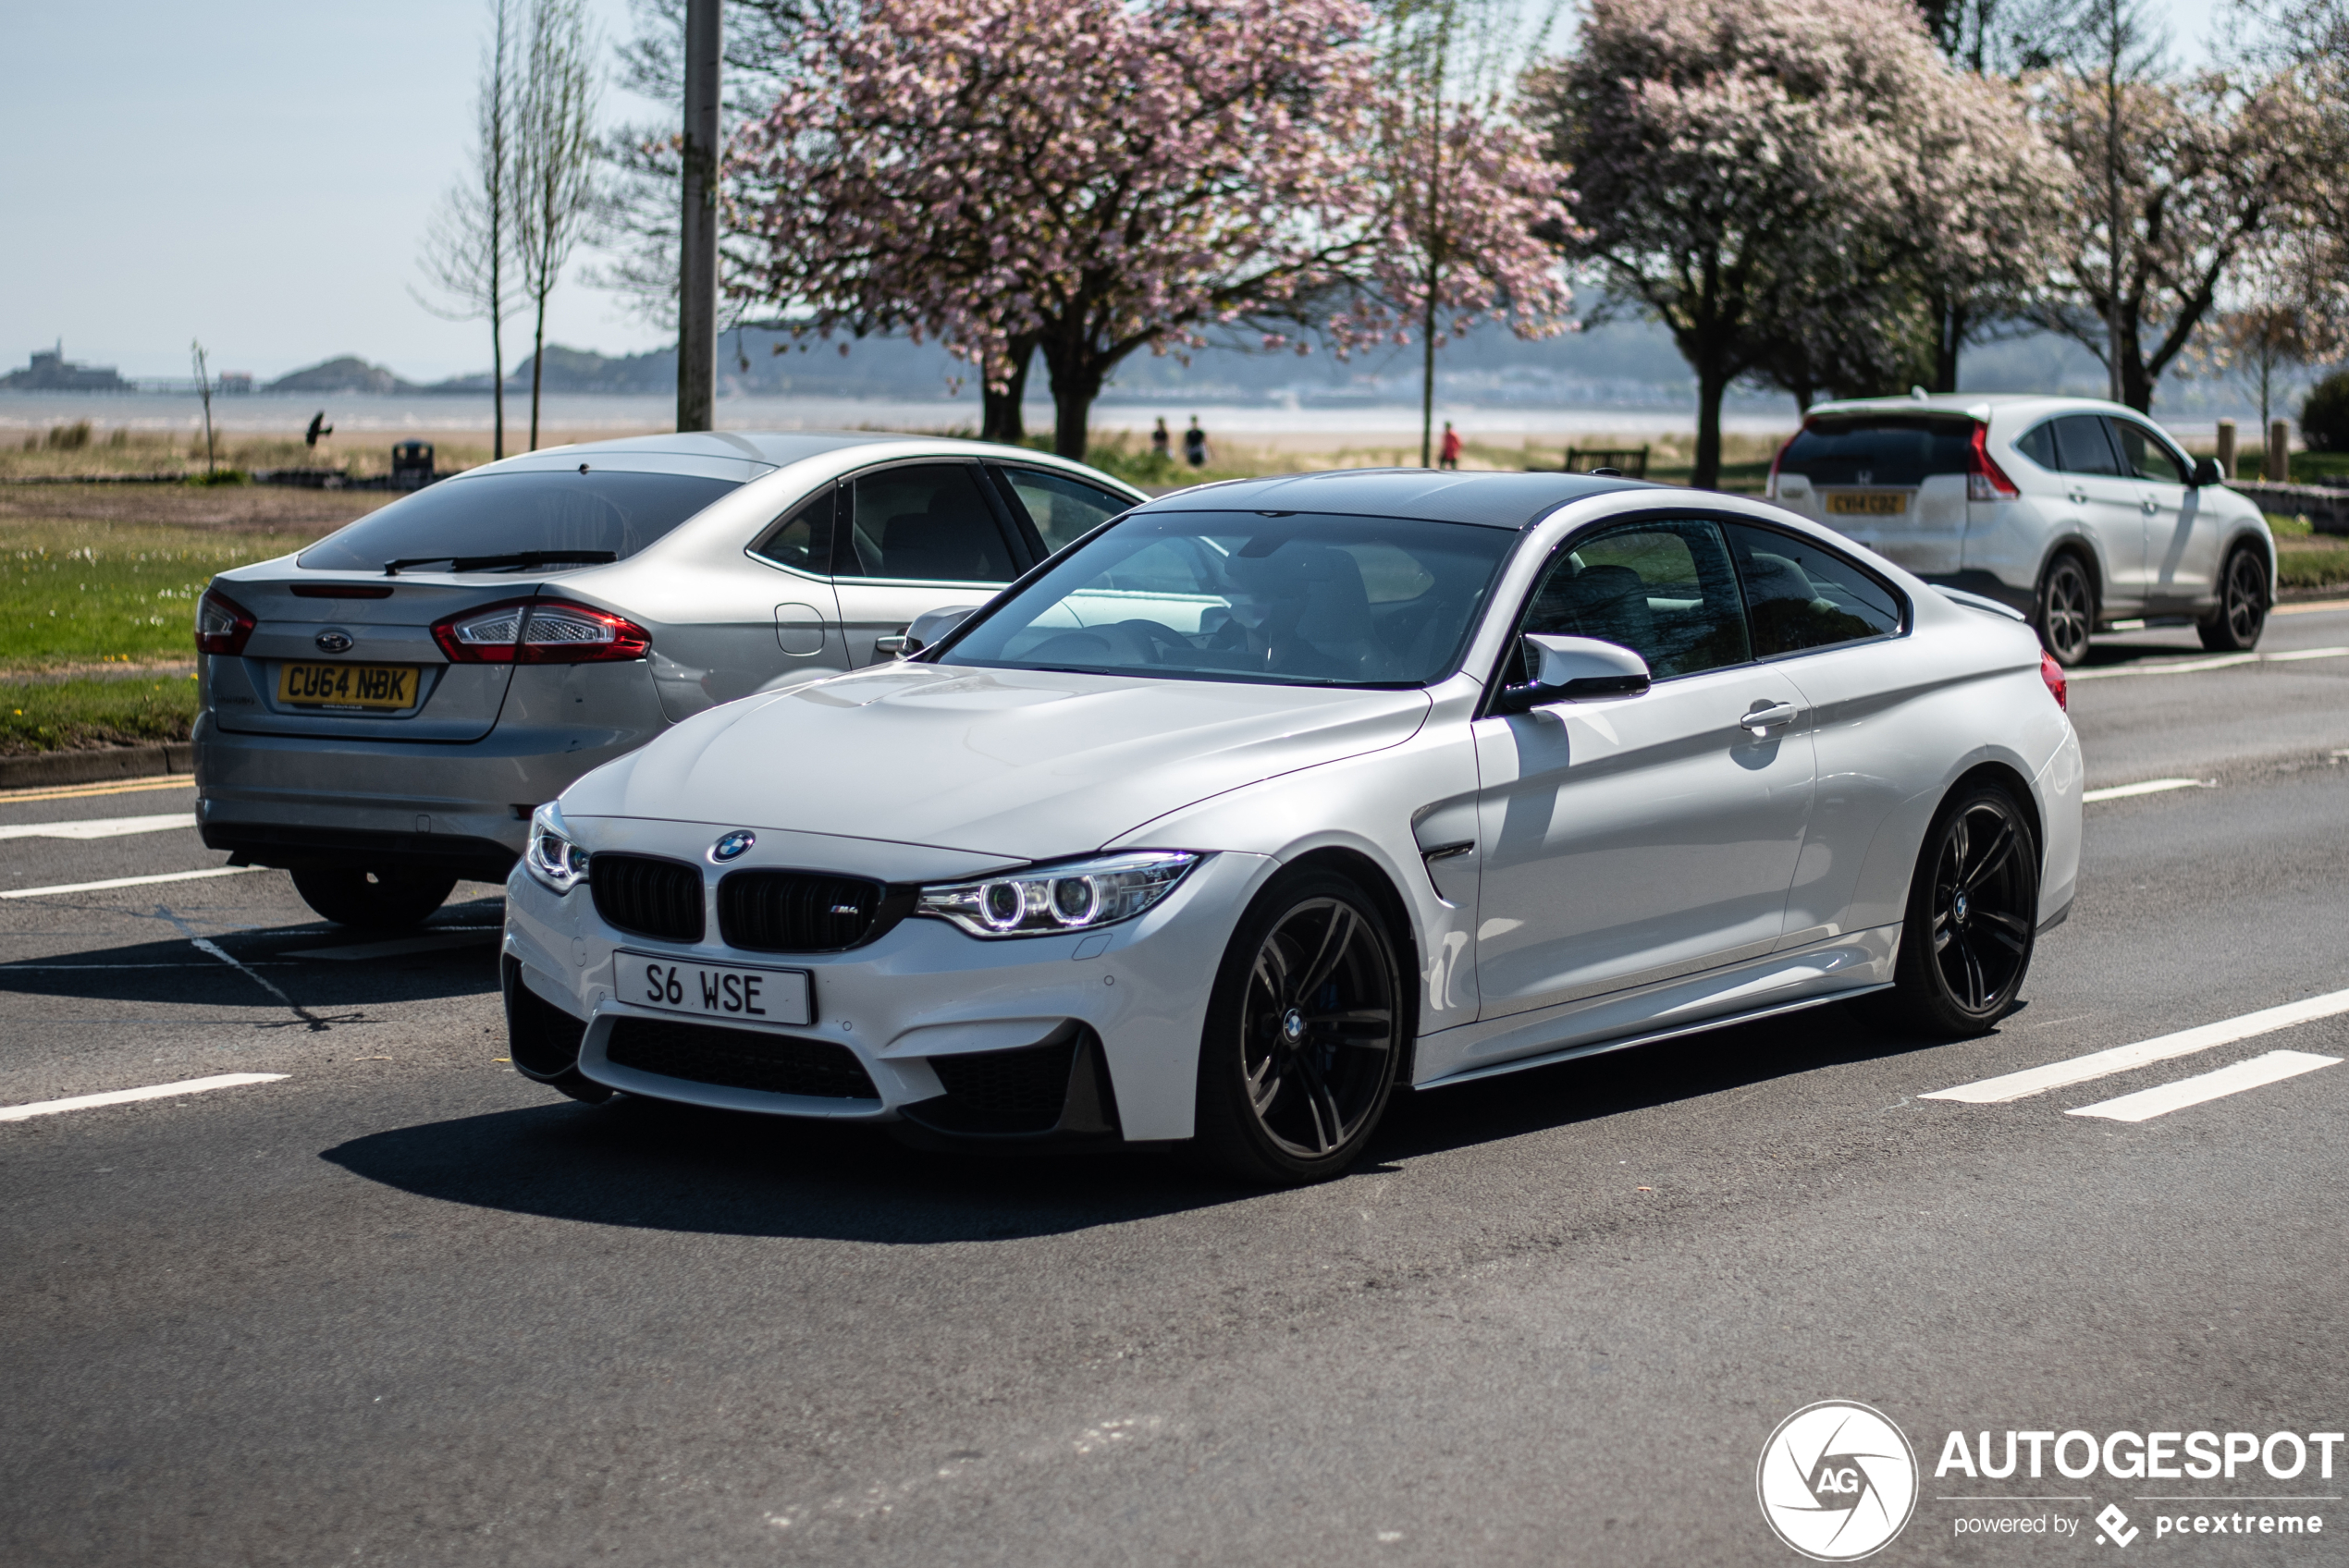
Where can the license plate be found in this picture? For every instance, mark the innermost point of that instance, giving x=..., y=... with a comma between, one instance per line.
x=347, y=685
x=721, y=992
x=1868, y=503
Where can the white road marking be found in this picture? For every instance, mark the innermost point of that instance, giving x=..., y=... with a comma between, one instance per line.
x=473, y=937
x=2150, y=787
x=2121, y=1059
x=129, y=881
x=124, y=1096
x=99, y=827
x=2146, y=1104
x=2224, y=661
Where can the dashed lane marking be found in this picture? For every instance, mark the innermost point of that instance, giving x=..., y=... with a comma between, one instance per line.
x=2258, y=1072
x=129, y=881
x=2223, y=661
x=99, y=827
x=2121, y=1059
x=125, y=1097
x=2150, y=787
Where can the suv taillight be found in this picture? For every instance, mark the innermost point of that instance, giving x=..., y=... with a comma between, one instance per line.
x=2058, y=687
x=1770, y=491
x=540, y=631
x=222, y=624
x=1985, y=480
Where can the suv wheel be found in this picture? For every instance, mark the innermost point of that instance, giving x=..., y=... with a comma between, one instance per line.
x=2067, y=610
x=2242, y=603
x=373, y=900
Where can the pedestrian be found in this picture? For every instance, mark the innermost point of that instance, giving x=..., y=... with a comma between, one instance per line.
x=1449, y=455
x=1195, y=444
x=1162, y=444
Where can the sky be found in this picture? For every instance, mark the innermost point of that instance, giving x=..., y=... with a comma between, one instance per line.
x=258, y=174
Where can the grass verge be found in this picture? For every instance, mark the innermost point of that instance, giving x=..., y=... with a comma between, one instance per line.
x=56, y=716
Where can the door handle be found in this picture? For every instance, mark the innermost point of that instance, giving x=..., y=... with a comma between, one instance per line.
x=1764, y=716
x=2150, y=506
x=2078, y=497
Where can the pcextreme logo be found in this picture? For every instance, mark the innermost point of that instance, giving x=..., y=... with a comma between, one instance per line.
x=1837, y=1481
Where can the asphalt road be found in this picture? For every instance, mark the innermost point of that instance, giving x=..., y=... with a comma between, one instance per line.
x=401, y=1307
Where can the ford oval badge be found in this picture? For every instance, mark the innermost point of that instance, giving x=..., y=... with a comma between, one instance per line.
x=333, y=640
x=732, y=846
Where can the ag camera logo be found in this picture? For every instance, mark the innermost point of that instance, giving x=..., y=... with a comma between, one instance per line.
x=1836, y=1481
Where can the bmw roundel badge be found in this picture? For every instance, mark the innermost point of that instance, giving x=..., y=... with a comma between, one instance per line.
x=732, y=846
x=334, y=640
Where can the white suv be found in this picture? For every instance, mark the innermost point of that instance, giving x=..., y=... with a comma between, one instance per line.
x=2085, y=515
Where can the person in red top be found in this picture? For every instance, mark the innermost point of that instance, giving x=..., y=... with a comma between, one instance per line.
x=1449, y=455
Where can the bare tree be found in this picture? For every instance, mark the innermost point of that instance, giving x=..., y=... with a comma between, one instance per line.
x=471, y=240
x=204, y=391
x=553, y=167
x=2115, y=45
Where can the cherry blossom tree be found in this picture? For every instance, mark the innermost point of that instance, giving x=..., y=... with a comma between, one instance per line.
x=1754, y=172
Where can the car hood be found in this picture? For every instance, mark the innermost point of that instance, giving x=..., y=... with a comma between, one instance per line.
x=1023, y=764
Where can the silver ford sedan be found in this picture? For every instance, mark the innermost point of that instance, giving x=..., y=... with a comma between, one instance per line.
x=1272, y=799
x=382, y=712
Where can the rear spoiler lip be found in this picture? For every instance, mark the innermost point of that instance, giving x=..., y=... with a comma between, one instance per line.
x=1977, y=602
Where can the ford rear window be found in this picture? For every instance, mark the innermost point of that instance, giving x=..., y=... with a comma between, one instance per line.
x=1879, y=451
x=606, y=514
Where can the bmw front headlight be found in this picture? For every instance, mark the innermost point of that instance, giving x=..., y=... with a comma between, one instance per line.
x=1073, y=896
x=551, y=855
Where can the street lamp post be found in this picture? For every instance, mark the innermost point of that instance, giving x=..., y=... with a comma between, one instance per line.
x=697, y=283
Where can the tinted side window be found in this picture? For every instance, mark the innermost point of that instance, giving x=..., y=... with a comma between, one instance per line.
x=2082, y=445
x=2039, y=447
x=1878, y=451
x=496, y=514
x=1663, y=590
x=924, y=522
x=1062, y=509
x=802, y=538
x=1801, y=596
x=2145, y=455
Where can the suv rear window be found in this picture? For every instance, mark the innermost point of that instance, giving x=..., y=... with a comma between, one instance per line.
x=498, y=514
x=1879, y=451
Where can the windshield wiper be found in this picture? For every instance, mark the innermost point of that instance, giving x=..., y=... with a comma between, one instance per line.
x=512, y=557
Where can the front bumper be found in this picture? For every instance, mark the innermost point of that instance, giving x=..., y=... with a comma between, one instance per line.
x=929, y=1013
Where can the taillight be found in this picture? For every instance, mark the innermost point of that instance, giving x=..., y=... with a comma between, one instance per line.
x=540, y=631
x=222, y=624
x=1985, y=480
x=1770, y=491
x=2052, y=673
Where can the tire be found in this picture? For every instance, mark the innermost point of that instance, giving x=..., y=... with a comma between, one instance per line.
x=373, y=900
x=2066, y=613
x=1973, y=918
x=2242, y=603
x=1306, y=1029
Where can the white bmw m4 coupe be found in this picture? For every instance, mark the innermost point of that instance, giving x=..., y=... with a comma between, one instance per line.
x=1268, y=800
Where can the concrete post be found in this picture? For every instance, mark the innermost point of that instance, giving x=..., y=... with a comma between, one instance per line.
x=2227, y=448
x=2279, y=453
x=697, y=247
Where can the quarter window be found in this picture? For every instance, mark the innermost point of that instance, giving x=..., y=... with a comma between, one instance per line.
x=925, y=523
x=1801, y=596
x=1663, y=590
x=802, y=538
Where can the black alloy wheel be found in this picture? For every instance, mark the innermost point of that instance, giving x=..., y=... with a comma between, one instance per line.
x=1973, y=920
x=1305, y=1034
x=2242, y=603
x=2067, y=610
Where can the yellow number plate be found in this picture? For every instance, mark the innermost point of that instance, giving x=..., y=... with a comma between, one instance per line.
x=1868, y=503
x=347, y=685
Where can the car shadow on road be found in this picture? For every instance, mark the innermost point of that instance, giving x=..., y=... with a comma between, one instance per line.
x=673, y=1167
x=454, y=957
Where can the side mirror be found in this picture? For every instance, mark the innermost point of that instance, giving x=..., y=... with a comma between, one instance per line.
x=2206, y=472
x=931, y=627
x=1575, y=669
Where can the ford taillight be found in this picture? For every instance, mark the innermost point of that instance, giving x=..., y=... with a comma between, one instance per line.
x=1985, y=480
x=540, y=631
x=2058, y=687
x=223, y=626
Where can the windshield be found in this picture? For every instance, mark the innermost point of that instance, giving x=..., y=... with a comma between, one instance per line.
x=1333, y=601
x=533, y=514
x=1899, y=450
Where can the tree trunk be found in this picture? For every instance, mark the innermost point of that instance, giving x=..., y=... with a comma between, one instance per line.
x=538, y=367
x=1077, y=381
x=1427, y=378
x=1711, y=383
x=1000, y=417
x=1952, y=317
x=497, y=387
